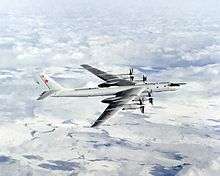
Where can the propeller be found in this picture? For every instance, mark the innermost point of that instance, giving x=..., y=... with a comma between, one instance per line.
x=149, y=93
x=151, y=101
x=132, y=78
x=144, y=78
x=142, y=109
x=131, y=71
x=140, y=101
x=141, y=105
x=150, y=97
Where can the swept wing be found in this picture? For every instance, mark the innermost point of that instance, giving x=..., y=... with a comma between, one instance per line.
x=123, y=97
x=108, y=77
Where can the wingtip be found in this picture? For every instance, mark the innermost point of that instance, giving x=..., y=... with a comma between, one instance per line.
x=39, y=98
x=93, y=125
x=84, y=65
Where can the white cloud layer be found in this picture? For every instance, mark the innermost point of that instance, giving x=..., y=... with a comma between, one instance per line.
x=168, y=41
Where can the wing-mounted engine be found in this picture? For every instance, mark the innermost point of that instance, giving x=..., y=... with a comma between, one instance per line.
x=139, y=103
x=145, y=97
x=149, y=96
x=129, y=75
x=112, y=99
x=108, y=84
x=143, y=80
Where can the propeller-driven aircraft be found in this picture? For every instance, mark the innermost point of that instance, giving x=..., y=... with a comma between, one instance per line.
x=124, y=93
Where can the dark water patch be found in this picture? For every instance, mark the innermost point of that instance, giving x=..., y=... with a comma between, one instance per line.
x=60, y=165
x=217, y=127
x=103, y=140
x=213, y=105
x=35, y=157
x=118, y=143
x=92, y=141
x=101, y=159
x=159, y=170
x=89, y=136
x=214, y=120
x=6, y=160
x=174, y=155
x=102, y=145
x=217, y=130
x=132, y=124
x=203, y=132
x=207, y=135
x=127, y=144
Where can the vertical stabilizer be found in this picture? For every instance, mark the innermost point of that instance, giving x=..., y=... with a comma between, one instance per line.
x=48, y=85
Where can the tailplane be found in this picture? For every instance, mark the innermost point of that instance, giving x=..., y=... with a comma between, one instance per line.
x=49, y=86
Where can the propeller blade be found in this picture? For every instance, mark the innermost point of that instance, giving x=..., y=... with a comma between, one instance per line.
x=142, y=109
x=144, y=78
x=131, y=71
x=132, y=78
x=151, y=101
x=140, y=101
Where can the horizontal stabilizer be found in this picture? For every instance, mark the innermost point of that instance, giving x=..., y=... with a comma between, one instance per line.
x=45, y=94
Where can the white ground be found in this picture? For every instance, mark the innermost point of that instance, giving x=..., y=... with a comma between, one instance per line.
x=172, y=41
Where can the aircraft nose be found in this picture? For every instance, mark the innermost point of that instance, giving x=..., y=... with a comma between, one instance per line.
x=176, y=84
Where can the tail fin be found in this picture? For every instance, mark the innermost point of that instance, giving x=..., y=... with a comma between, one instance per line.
x=49, y=84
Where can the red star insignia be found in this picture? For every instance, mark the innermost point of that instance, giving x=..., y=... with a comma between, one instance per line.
x=46, y=81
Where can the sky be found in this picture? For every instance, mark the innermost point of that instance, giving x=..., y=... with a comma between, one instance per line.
x=165, y=40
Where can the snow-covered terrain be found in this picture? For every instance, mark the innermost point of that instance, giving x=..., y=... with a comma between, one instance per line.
x=167, y=41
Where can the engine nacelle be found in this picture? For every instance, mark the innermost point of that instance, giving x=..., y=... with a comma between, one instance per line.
x=108, y=84
x=111, y=99
x=143, y=97
x=131, y=106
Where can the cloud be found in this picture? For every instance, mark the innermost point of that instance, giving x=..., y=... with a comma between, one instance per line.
x=168, y=41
